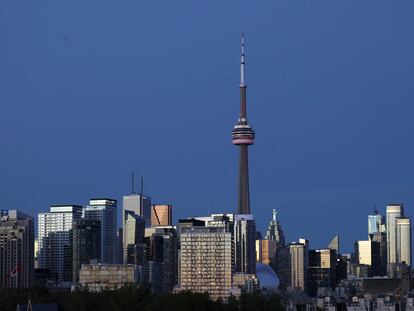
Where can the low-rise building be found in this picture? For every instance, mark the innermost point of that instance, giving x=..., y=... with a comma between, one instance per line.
x=99, y=277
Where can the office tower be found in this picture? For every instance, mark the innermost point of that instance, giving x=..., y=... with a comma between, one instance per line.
x=119, y=258
x=275, y=232
x=16, y=249
x=86, y=244
x=56, y=240
x=299, y=264
x=134, y=229
x=322, y=270
x=161, y=215
x=381, y=239
x=139, y=204
x=375, y=222
x=245, y=244
x=334, y=244
x=265, y=251
x=393, y=212
x=369, y=253
x=403, y=225
x=243, y=136
x=104, y=210
x=161, y=267
x=206, y=261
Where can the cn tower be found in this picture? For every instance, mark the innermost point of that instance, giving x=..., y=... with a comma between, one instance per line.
x=243, y=136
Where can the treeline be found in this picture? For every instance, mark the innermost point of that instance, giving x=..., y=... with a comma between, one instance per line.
x=133, y=298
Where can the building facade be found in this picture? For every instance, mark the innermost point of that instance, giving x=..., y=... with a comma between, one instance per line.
x=206, y=261
x=403, y=225
x=298, y=264
x=265, y=251
x=107, y=277
x=105, y=211
x=161, y=215
x=245, y=244
x=16, y=249
x=56, y=241
x=134, y=230
x=86, y=244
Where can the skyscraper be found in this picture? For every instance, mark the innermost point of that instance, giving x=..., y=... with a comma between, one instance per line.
x=274, y=231
x=161, y=215
x=404, y=240
x=243, y=136
x=56, y=240
x=104, y=210
x=86, y=244
x=393, y=212
x=140, y=204
x=334, y=244
x=381, y=238
x=245, y=244
x=16, y=249
x=369, y=254
x=299, y=264
x=321, y=270
x=375, y=222
x=206, y=261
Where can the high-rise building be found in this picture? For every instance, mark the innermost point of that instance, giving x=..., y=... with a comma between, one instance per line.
x=86, y=244
x=403, y=225
x=105, y=211
x=275, y=232
x=243, y=136
x=161, y=215
x=265, y=251
x=139, y=204
x=381, y=239
x=334, y=244
x=245, y=244
x=375, y=222
x=56, y=241
x=134, y=230
x=369, y=254
x=206, y=261
x=16, y=249
x=299, y=264
x=321, y=270
x=393, y=212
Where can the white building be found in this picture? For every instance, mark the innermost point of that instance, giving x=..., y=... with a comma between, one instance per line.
x=55, y=239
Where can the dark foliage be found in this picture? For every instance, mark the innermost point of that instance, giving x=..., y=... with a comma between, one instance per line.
x=133, y=298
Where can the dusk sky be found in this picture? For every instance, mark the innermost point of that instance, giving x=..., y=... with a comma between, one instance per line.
x=91, y=90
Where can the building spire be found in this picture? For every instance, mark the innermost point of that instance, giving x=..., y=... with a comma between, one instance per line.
x=274, y=215
x=242, y=63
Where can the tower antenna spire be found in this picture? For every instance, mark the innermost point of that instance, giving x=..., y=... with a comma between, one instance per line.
x=242, y=63
x=132, y=183
x=142, y=184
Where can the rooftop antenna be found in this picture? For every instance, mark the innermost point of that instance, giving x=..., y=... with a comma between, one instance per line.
x=142, y=184
x=132, y=183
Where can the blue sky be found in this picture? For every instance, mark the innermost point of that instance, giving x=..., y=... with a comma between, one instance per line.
x=90, y=90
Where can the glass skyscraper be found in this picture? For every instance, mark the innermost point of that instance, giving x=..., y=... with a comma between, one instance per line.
x=375, y=223
x=104, y=210
x=394, y=211
x=403, y=225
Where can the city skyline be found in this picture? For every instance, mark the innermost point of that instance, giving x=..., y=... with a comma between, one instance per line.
x=329, y=117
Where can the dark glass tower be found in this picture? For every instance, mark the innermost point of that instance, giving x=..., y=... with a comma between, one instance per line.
x=243, y=136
